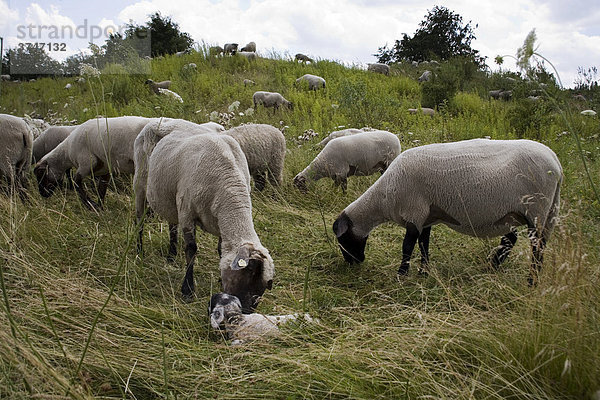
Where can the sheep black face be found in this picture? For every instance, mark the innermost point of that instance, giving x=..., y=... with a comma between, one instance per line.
x=47, y=180
x=245, y=278
x=352, y=246
x=300, y=183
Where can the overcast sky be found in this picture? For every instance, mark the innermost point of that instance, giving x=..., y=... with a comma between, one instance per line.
x=344, y=30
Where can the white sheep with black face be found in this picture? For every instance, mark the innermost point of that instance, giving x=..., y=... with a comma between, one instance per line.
x=15, y=152
x=98, y=147
x=49, y=139
x=483, y=188
x=361, y=154
x=203, y=180
x=230, y=48
x=270, y=99
x=303, y=58
x=225, y=313
x=155, y=86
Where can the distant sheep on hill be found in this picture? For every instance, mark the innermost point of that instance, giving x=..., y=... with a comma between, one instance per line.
x=303, y=58
x=250, y=47
x=270, y=99
x=314, y=82
x=379, y=68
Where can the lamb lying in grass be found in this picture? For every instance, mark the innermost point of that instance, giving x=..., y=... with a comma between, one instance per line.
x=225, y=312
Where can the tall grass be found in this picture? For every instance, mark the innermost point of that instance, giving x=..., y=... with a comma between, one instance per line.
x=83, y=317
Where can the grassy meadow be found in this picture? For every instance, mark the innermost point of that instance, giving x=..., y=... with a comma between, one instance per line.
x=82, y=317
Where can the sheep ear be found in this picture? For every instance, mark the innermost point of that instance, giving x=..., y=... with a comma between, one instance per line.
x=242, y=259
x=341, y=225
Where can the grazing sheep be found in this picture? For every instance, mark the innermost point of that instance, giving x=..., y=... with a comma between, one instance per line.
x=264, y=148
x=249, y=82
x=15, y=152
x=143, y=145
x=505, y=95
x=249, y=55
x=423, y=110
x=215, y=50
x=379, y=68
x=270, y=99
x=36, y=125
x=337, y=134
x=314, y=82
x=99, y=147
x=158, y=85
x=415, y=64
x=360, y=155
x=425, y=76
x=250, y=47
x=495, y=94
x=225, y=312
x=170, y=94
x=5, y=78
x=303, y=58
x=182, y=53
x=479, y=187
x=230, y=48
x=203, y=180
x=49, y=139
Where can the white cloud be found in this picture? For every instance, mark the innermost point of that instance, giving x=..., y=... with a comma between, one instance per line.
x=8, y=17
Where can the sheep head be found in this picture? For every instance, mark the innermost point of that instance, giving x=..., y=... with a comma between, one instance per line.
x=249, y=275
x=300, y=183
x=223, y=309
x=48, y=179
x=351, y=245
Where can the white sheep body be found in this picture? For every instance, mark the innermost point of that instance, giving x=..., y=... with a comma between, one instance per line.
x=249, y=55
x=100, y=146
x=15, y=151
x=477, y=187
x=49, y=139
x=379, y=68
x=203, y=180
x=422, y=110
x=314, y=82
x=270, y=99
x=250, y=47
x=361, y=154
x=264, y=148
x=337, y=134
x=425, y=76
x=230, y=48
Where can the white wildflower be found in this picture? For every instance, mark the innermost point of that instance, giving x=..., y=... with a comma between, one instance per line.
x=249, y=111
x=233, y=106
x=89, y=71
x=170, y=94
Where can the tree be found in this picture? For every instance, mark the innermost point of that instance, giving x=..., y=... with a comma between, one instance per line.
x=166, y=38
x=441, y=35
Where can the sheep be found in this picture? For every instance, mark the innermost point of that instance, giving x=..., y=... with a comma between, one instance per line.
x=249, y=82
x=360, y=155
x=506, y=95
x=15, y=152
x=270, y=99
x=248, y=55
x=230, y=48
x=479, y=187
x=5, y=77
x=250, y=47
x=225, y=313
x=215, y=50
x=303, y=58
x=49, y=139
x=264, y=148
x=203, y=179
x=154, y=86
x=379, y=68
x=314, y=82
x=143, y=145
x=182, y=53
x=495, y=94
x=423, y=110
x=68, y=86
x=425, y=76
x=337, y=134
x=99, y=147
x=36, y=125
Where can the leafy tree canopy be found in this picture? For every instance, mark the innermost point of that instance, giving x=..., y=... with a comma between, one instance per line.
x=441, y=35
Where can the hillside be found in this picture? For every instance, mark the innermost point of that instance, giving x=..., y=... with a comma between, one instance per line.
x=83, y=317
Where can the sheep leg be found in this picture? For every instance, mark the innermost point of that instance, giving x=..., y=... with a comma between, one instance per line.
x=101, y=188
x=341, y=181
x=408, y=245
x=78, y=182
x=259, y=181
x=538, y=244
x=424, y=249
x=189, y=237
x=219, y=244
x=506, y=244
x=173, y=243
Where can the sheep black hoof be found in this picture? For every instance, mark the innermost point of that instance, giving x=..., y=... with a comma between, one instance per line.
x=403, y=270
x=187, y=293
x=170, y=258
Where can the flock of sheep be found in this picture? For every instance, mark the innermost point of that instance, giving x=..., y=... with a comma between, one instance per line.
x=199, y=175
